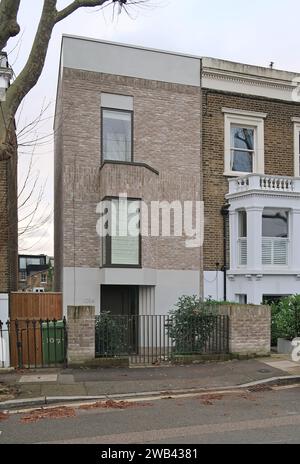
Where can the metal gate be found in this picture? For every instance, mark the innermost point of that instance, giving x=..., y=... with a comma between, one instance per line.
x=34, y=343
x=157, y=339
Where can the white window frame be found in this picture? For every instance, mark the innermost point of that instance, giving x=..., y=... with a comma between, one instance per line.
x=296, y=147
x=43, y=281
x=246, y=119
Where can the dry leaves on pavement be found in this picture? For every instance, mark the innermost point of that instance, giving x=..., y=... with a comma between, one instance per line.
x=110, y=404
x=51, y=413
x=3, y=416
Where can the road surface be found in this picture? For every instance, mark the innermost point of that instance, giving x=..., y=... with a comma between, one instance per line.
x=260, y=417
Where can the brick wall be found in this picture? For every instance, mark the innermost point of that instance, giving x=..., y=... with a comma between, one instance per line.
x=279, y=156
x=81, y=334
x=166, y=137
x=35, y=280
x=249, y=329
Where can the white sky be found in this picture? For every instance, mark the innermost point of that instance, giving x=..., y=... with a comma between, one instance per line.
x=255, y=32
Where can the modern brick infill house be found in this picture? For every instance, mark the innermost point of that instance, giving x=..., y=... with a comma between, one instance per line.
x=156, y=126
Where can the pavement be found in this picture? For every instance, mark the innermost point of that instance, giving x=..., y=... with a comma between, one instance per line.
x=37, y=386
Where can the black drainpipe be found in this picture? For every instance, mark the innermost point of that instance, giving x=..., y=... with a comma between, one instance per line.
x=225, y=213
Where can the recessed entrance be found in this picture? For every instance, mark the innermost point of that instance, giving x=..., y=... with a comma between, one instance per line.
x=120, y=299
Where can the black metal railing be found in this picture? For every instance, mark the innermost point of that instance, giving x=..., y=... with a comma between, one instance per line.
x=34, y=343
x=160, y=338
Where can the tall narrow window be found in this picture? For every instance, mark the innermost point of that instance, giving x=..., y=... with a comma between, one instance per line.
x=116, y=135
x=243, y=142
x=242, y=240
x=242, y=149
x=121, y=246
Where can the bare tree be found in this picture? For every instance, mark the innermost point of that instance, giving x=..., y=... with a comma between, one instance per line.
x=23, y=83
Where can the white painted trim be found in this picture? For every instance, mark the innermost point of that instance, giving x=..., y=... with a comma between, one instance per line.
x=258, y=124
x=251, y=114
x=249, y=80
x=295, y=119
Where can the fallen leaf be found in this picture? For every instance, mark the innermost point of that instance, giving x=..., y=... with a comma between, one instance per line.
x=3, y=416
x=110, y=404
x=51, y=413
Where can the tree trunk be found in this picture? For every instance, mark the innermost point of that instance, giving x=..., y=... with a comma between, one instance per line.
x=9, y=215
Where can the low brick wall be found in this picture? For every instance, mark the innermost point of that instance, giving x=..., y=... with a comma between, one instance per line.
x=81, y=334
x=249, y=333
x=249, y=329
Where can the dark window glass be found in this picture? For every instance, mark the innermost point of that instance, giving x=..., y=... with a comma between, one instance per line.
x=242, y=149
x=242, y=224
x=275, y=223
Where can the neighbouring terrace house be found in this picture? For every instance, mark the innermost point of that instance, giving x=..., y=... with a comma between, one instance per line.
x=250, y=152
x=161, y=126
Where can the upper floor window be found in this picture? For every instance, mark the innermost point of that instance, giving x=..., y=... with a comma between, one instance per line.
x=22, y=263
x=117, y=127
x=23, y=276
x=43, y=278
x=116, y=135
x=244, y=142
x=297, y=147
x=242, y=149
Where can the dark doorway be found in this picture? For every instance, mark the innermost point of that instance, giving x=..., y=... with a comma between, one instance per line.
x=123, y=304
x=120, y=300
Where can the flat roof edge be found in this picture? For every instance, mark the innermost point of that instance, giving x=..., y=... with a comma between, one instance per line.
x=127, y=45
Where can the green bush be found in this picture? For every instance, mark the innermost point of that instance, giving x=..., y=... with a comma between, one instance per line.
x=286, y=318
x=111, y=335
x=190, y=324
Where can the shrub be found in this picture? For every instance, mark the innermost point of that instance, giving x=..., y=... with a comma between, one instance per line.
x=111, y=335
x=190, y=325
x=286, y=318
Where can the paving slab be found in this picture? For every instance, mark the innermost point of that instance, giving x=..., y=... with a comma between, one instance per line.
x=63, y=390
x=29, y=391
x=38, y=378
x=66, y=379
x=282, y=365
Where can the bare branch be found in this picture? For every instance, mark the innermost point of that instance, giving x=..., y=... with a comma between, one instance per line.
x=68, y=10
x=35, y=63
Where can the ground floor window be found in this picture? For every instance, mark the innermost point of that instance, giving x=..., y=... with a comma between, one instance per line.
x=270, y=299
x=241, y=298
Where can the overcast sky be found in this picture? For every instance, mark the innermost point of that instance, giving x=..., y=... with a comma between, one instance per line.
x=255, y=32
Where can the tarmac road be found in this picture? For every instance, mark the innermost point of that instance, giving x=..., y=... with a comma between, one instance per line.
x=260, y=417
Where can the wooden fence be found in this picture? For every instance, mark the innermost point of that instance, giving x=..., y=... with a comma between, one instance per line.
x=29, y=307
